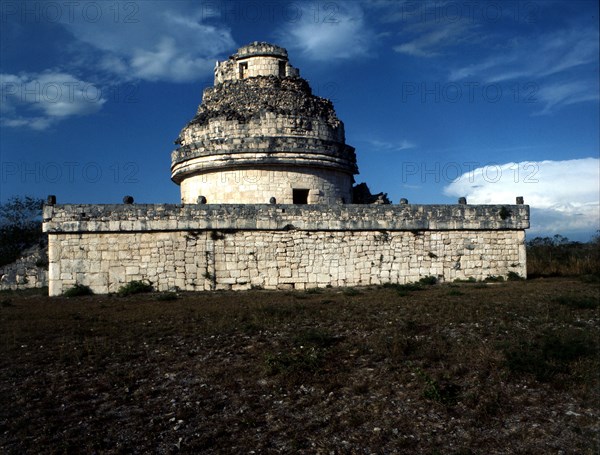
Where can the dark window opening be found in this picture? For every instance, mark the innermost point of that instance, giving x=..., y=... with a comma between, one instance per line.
x=281, y=69
x=243, y=70
x=300, y=196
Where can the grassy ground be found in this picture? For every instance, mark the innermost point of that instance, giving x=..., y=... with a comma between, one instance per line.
x=449, y=369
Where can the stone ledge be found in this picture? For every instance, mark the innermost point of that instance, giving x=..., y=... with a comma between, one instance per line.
x=72, y=218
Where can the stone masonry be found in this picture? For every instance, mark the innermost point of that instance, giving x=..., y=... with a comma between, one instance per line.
x=261, y=133
x=29, y=271
x=206, y=247
x=266, y=182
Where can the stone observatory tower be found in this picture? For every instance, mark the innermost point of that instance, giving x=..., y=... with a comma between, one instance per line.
x=261, y=136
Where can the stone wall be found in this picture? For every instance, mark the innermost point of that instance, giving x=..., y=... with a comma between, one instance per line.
x=258, y=59
x=29, y=271
x=262, y=122
x=258, y=186
x=195, y=247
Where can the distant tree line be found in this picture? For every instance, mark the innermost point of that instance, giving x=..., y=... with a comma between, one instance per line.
x=559, y=256
x=20, y=227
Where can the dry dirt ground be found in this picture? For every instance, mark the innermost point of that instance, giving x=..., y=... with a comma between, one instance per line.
x=465, y=368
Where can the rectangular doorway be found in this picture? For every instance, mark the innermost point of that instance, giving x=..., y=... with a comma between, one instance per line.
x=243, y=70
x=300, y=196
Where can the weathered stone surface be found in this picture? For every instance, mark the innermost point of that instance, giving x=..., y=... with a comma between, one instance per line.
x=351, y=217
x=245, y=99
x=29, y=271
x=262, y=123
x=282, y=259
x=204, y=247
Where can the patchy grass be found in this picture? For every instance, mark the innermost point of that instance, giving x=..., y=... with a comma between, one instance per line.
x=578, y=303
x=167, y=296
x=504, y=368
x=350, y=292
x=455, y=292
x=550, y=354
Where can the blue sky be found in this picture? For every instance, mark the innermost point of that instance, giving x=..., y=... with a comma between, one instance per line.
x=484, y=99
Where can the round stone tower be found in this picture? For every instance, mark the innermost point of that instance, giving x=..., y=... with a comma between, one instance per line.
x=261, y=136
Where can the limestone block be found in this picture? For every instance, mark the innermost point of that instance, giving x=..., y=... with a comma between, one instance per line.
x=132, y=270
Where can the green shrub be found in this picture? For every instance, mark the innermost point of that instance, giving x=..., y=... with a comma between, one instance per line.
x=428, y=280
x=135, y=287
x=514, y=276
x=403, y=288
x=350, y=292
x=78, y=290
x=494, y=279
x=468, y=280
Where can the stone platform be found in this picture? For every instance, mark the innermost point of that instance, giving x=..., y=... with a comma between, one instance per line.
x=207, y=247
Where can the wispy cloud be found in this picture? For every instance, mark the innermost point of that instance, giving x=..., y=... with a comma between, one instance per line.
x=537, y=57
x=433, y=40
x=383, y=146
x=162, y=41
x=557, y=67
x=428, y=28
x=564, y=195
x=338, y=32
x=562, y=94
x=38, y=101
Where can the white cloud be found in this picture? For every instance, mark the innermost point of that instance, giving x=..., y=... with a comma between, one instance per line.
x=564, y=195
x=38, y=101
x=338, y=32
x=162, y=41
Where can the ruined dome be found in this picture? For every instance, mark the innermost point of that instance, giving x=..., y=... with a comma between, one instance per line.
x=259, y=134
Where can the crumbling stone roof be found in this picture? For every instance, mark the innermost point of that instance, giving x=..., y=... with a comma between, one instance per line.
x=245, y=99
x=261, y=113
